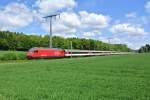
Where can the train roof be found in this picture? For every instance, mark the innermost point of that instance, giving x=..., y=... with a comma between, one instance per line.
x=41, y=48
x=68, y=50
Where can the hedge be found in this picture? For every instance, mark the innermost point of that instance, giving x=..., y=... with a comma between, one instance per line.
x=13, y=56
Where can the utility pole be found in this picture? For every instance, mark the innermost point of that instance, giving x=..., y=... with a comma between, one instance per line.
x=71, y=48
x=109, y=40
x=50, y=17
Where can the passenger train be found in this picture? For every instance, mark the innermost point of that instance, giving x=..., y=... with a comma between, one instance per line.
x=61, y=53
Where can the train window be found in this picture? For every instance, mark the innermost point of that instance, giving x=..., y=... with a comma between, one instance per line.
x=35, y=51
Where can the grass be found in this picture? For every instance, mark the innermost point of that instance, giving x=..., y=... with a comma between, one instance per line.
x=94, y=78
x=12, y=55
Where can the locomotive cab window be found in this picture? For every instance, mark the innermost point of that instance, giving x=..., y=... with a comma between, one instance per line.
x=35, y=51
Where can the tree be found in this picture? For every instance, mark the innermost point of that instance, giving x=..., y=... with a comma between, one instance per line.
x=23, y=42
x=144, y=49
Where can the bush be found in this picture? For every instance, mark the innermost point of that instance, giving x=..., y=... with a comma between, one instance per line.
x=13, y=56
x=21, y=56
x=9, y=56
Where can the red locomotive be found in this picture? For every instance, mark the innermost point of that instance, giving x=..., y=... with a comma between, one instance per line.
x=45, y=53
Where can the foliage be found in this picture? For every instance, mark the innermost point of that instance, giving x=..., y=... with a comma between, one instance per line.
x=12, y=55
x=145, y=49
x=9, y=56
x=22, y=42
x=94, y=78
x=21, y=56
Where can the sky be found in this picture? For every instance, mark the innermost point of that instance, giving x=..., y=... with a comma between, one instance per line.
x=118, y=21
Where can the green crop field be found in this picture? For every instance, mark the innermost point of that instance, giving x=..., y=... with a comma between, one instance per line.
x=93, y=78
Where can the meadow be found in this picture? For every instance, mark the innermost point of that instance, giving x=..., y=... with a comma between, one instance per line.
x=125, y=77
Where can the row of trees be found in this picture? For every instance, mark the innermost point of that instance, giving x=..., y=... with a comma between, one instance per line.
x=23, y=42
x=145, y=49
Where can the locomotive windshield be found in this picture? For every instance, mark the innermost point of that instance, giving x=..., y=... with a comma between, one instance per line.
x=33, y=50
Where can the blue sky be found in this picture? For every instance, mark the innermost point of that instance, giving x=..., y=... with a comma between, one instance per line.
x=121, y=21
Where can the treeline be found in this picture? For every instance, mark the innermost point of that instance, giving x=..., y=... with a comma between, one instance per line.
x=145, y=49
x=23, y=42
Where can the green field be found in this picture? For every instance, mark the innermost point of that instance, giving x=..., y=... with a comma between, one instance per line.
x=95, y=78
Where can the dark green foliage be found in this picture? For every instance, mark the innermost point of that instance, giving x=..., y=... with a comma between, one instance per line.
x=125, y=77
x=22, y=42
x=145, y=49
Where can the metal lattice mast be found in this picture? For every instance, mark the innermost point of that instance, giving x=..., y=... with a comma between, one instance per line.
x=50, y=17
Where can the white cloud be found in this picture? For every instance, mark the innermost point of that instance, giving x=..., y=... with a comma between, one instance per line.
x=103, y=39
x=70, y=19
x=49, y=6
x=115, y=41
x=93, y=20
x=15, y=16
x=71, y=22
x=131, y=15
x=147, y=6
x=128, y=28
x=145, y=20
x=90, y=34
x=135, y=45
x=66, y=35
x=68, y=23
x=132, y=42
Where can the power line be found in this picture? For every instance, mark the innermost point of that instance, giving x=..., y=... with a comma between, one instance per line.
x=50, y=17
